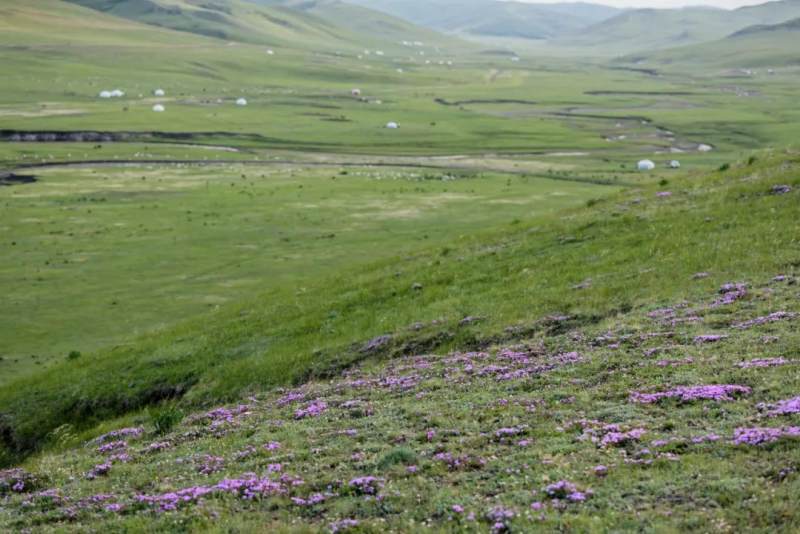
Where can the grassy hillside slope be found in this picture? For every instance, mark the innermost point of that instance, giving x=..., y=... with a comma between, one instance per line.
x=760, y=46
x=620, y=254
x=648, y=29
x=495, y=18
x=632, y=366
x=276, y=23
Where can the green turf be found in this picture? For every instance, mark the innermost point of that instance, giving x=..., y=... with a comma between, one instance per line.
x=596, y=304
x=95, y=256
x=221, y=275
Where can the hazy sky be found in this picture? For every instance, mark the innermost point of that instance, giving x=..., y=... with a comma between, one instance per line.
x=663, y=3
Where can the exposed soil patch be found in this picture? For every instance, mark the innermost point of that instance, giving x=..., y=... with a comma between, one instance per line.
x=16, y=179
x=445, y=102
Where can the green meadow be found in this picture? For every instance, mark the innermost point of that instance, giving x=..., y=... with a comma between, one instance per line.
x=283, y=254
x=95, y=256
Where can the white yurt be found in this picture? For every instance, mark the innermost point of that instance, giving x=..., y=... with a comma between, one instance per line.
x=646, y=165
x=704, y=148
x=105, y=94
x=158, y=108
x=241, y=102
x=674, y=164
x=270, y=52
x=356, y=92
x=116, y=93
x=159, y=92
x=392, y=125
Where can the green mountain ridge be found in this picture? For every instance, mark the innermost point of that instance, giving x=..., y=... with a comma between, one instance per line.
x=493, y=18
x=277, y=23
x=649, y=29
x=758, y=46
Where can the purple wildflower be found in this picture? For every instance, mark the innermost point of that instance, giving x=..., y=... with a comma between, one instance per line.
x=600, y=470
x=716, y=392
x=134, y=432
x=762, y=362
x=564, y=489
x=763, y=435
x=784, y=407
x=771, y=318
x=368, y=485
x=112, y=447
x=730, y=293
x=342, y=525
x=709, y=338
x=313, y=409
x=616, y=439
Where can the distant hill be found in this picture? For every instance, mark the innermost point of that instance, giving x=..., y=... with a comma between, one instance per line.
x=492, y=18
x=271, y=22
x=651, y=29
x=360, y=20
x=763, y=45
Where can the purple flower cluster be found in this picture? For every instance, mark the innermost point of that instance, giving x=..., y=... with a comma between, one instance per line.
x=290, y=398
x=99, y=470
x=313, y=499
x=784, y=407
x=763, y=435
x=508, y=432
x=762, y=362
x=113, y=446
x=730, y=293
x=771, y=318
x=17, y=481
x=210, y=464
x=343, y=525
x=313, y=409
x=674, y=363
x=500, y=517
x=463, y=461
x=618, y=439
x=709, y=338
x=157, y=446
x=368, y=485
x=716, y=392
x=566, y=490
x=220, y=417
x=127, y=433
x=248, y=487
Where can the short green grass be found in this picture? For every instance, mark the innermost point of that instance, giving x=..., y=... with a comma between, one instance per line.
x=627, y=251
x=453, y=445
x=95, y=256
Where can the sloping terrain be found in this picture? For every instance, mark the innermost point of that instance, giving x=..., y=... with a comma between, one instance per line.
x=493, y=18
x=631, y=364
x=649, y=29
x=760, y=46
x=625, y=253
x=361, y=21
x=277, y=23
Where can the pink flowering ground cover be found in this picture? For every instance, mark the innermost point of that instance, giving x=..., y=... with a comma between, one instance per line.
x=549, y=432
